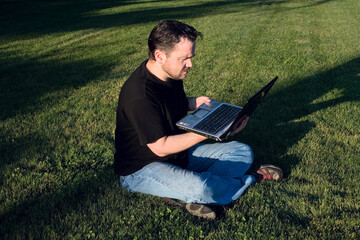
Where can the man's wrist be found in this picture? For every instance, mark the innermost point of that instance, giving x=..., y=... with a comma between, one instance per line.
x=198, y=136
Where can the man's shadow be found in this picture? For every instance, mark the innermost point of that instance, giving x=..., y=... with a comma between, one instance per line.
x=282, y=119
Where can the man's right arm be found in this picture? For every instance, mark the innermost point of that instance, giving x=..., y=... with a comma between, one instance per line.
x=168, y=145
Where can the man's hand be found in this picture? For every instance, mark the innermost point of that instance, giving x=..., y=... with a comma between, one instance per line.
x=196, y=102
x=240, y=125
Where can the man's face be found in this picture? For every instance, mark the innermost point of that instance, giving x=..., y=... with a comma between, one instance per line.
x=178, y=60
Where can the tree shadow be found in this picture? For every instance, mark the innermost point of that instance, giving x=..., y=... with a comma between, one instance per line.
x=25, y=80
x=45, y=17
x=41, y=213
x=280, y=118
x=23, y=84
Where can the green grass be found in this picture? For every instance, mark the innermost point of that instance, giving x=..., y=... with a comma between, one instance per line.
x=62, y=65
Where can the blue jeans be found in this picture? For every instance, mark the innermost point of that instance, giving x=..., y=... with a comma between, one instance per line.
x=216, y=174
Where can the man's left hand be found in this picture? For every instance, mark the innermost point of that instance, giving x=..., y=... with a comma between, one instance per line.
x=240, y=125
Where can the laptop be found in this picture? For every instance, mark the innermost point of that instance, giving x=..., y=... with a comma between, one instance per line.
x=217, y=120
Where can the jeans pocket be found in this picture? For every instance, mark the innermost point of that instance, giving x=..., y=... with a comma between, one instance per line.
x=123, y=182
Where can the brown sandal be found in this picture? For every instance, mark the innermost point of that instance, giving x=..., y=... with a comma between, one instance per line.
x=195, y=209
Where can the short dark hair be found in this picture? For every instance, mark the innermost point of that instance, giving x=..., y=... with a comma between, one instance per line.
x=168, y=33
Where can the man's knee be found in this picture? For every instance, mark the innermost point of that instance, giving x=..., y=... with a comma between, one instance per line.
x=243, y=150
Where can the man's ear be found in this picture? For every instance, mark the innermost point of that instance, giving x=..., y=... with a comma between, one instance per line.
x=160, y=56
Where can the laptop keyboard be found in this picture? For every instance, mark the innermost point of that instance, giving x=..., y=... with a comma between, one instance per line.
x=218, y=119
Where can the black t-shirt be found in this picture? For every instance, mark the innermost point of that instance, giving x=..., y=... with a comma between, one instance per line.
x=148, y=109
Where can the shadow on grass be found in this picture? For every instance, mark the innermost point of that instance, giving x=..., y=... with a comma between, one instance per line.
x=280, y=118
x=42, y=215
x=24, y=81
x=24, y=84
x=297, y=101
x=44, y=17
x=41, y=212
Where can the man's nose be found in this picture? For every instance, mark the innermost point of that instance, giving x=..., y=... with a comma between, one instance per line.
x=188, y=63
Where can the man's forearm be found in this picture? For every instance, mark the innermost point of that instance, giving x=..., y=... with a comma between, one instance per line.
x=173, y=144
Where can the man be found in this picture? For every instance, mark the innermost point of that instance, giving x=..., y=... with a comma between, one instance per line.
x=155, y=157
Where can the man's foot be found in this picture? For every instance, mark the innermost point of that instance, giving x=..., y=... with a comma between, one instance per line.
x=267, y=172
x=270, y=172
x=199, y=210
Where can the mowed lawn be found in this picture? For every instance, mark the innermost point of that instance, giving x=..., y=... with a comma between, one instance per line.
x=62, y=65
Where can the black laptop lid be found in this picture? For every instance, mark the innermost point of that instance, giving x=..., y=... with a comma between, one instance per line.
x=253, y=102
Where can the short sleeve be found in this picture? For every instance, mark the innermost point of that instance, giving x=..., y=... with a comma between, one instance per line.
x=146, y=118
